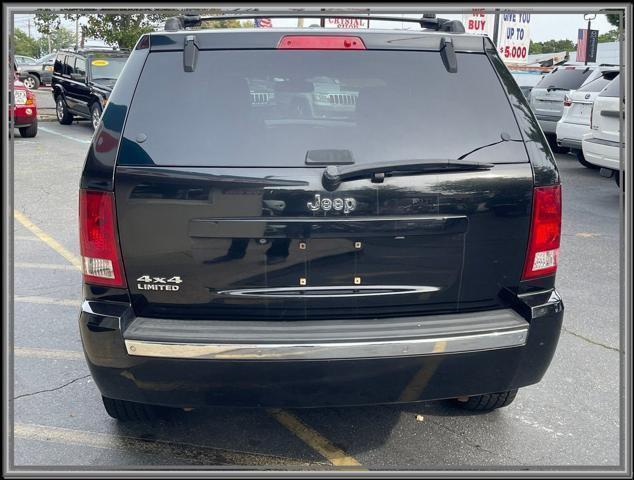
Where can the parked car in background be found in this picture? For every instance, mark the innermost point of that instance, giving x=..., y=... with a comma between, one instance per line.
x=82, y=82
x=547, y=97
x=38, y=72
x=575, y=121
x=24, y=110
x=527, y=80
x=238, y=252
x=22, y=59
x=602, y=145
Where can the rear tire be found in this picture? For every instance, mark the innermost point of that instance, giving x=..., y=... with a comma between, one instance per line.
x=95, y=115
x=61, y=111
x=125, y=411
x=488, y=402
x=582, y=160
x=30, y=131
x=617, y=178
x=31, y=82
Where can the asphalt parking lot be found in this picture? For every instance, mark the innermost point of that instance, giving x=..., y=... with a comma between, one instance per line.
x=569, y=419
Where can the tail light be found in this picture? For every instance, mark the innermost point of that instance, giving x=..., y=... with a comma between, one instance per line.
x=567, y=101
x=321, y=42
x=543, y=245
x=101, y=260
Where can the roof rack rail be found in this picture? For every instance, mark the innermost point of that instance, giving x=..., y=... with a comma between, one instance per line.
x=427, y=21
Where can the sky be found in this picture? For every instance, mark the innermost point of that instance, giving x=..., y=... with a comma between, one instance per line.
x=543, y=26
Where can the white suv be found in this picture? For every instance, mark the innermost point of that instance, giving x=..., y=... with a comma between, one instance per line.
x=575, y=121
x=547, y=97
x=602, y=145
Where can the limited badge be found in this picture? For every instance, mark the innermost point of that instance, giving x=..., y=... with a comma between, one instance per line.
x=147, y=282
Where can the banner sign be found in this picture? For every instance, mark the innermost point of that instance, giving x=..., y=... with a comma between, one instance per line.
x=587, y=43
x=479, y=22
x=514, y=36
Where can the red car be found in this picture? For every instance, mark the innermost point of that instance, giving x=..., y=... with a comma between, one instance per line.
x=24, y=110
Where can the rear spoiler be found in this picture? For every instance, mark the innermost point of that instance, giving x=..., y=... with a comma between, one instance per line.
x=427, y=21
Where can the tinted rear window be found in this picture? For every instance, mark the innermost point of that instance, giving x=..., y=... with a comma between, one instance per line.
x=613, y=89
x=599, y=83
x=569, y=79
x=268, y=107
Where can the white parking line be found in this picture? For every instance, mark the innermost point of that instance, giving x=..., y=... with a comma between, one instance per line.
x=69, y=137
x=48, y=266
x=46, y=301
x=48, y=354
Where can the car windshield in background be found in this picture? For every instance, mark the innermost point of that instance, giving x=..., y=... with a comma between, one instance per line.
x=567, y=78
x=527, y=79
x=255, y=108
x=106, y=68
x=613, y=89
x=599, y=83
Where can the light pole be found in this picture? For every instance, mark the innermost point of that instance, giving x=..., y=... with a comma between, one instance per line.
x=589, y=17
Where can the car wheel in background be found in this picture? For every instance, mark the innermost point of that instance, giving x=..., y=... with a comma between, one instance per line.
x=617, y=178
x=31, y=82
x=490, y=401
x=583, y=161
x=63, y=115
x=30, y=131
x=95, y=115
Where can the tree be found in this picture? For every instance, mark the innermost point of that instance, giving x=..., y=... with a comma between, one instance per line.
x=46, y=22
x=611, y=36
x=551, y=46
x=25, y=45
x=123, y=30
x=613, y=18
x=60, y=38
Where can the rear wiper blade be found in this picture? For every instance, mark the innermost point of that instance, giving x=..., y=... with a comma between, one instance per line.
x=333, y=175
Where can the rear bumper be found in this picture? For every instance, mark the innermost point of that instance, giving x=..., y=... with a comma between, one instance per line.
x=601, y=153
x=503, y=350
x=24, y=116
x=570, y=134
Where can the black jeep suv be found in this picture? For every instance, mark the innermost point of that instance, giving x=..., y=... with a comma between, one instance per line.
x=82, y=82
x=237, y=252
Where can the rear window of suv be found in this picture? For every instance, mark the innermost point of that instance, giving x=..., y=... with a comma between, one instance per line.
x=565, y=78
x=271, y=107
x=600, y=82
x=613, y=89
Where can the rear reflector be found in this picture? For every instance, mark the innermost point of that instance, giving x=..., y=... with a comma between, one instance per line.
x=321, y=42
x=101, y=261
x=543, y=247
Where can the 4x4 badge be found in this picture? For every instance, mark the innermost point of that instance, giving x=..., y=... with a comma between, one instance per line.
x=347, y=204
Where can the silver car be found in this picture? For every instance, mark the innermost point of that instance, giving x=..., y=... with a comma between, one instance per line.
x=547, y=97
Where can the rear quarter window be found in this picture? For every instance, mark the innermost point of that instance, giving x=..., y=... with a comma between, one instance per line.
x=270, y=107
x=568, y=79
x=613, y=89
x=599, y=83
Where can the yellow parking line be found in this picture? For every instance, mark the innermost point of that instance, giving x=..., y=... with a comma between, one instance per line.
x=417, y=384
x=47, y=354
x=313, y=439
x=48, y=266
x=46, y=301
x=202, y=454
x=50, y=241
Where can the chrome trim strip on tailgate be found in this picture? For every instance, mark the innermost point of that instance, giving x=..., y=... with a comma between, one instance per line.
x=513, y=337
x=330, y=292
